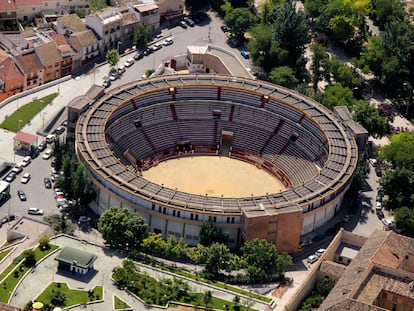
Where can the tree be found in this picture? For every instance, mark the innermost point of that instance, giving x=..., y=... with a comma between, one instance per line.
x=195, y=253
x=291, y=31
x=325, y=286
x=400, y=153
x=337, y=95
x=265, y=50
x=283, y=76
x=342, y=28
x=81, y=13
x=216, y=257
x=112, y=57
x=340, y=73
x=122, y=229
x=399, y=186
x=153, y=243
x=142, y=35
x=210, y=234
x=29, y=258
x=44, y=242
x=370, y=119
x=82, y=186
x=57, y=298
x=404, y=218
x=319, y=55
x=283, y=263
x=236, y=301
x=174, y=248
x=207, y=298
x=240, y=20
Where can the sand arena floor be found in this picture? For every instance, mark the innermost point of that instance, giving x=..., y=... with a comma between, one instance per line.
x=215, y=176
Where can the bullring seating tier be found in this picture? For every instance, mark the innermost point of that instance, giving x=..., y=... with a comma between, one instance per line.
x=319, y=163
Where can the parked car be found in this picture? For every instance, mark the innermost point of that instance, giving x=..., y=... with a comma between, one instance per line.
x=138, y=56
x=42, y=146
x=373, y=162
x=347, y=218
x=318, y=237
x=25, y=178
x=18, y=168
x=7, y=218
x=380, y=214
x=168, y=41
x=224, y=28
x=50, y=138
x=245, y=54
x=121, y=69
x=379, y=198
x=147, y=51
x=21, y=195
x=59, y=130
x=183, y=24
x=106, y=83
x=378, y=206
x=47, y=154
x=129, y=62
x=26, y=160
x=84, y=220
x=47, y=182
x=312, y=259
x=35, y=211
x=189, y=21
x=305, y=243
x=10, y=177
x=378, y=171
x=320, y=252
x=113, y=75
x=156, y=46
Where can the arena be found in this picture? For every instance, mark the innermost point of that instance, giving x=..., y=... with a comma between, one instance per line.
x=132, y=131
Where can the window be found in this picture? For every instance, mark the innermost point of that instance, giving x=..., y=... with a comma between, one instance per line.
x=174, y=212
x=46, y=4
x=192, y=216
x=196, y=217
x=153, y=206
x=178, y=213
x=232, y=220
x=159, y=209
x=164, y=211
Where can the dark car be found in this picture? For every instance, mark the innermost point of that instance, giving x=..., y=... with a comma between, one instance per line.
x=138, y=56
x=380, y=214
x=47, y=182
x=318, y=237
x=21, y=195
x=189, y=21
x=183, y=24
x=35, y=153
x=224, y=28
x=147, y=51
x=331, y=231
x=42, y=146
x=7, y=218
x=378, y=171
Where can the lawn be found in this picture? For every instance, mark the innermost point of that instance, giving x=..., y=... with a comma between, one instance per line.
x=4, y=253
x=96, y=5
x=8, y=284
x=73, y=296
x=120, y=304
x=18, y=119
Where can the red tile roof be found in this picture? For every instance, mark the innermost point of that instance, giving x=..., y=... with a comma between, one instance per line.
x=8, y=70
x=28, y=2
x=26, y=137
x=7, y=5
x=48, y=54
x=29, y=63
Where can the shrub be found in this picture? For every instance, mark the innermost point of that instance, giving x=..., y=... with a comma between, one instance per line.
x=44, y=242
x=58, y=298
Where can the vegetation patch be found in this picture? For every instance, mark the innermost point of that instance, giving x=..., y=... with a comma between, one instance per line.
x=119, y=304
x=96, y=5
x=60, y=295
x=3, y=254
x=30, y=258
x=24, y=114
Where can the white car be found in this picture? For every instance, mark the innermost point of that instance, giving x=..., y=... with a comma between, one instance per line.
x=379, y=206
x=47, y=154
x=35, y=211
x=26, y=160
x=373, y=162
x=156, y=47
x=386, y=222
x=25, y=179
x=167, y=41
x=129, y=62
x=312, y=258
x=319, y=252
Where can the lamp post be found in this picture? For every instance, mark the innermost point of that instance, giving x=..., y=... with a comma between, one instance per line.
x=117, y=46
x=43, y=120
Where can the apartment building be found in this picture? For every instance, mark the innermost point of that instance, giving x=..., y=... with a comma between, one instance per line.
x=51, y=60
x=31, y=68
x=11, y=80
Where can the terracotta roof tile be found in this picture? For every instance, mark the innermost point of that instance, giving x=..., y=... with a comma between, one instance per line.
x=48, y=54
x=29, y=63
x=8, y=69
x=72, y=21
x=129, y=18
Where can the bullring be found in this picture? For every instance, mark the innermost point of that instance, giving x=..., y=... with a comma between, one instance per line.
x=140, y=124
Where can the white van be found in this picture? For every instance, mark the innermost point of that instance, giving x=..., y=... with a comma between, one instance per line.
x=50, y=138
x=26, y=160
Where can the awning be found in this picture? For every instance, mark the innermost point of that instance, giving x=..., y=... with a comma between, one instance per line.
x=26, y=138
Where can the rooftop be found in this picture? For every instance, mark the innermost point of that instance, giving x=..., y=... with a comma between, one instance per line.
x=48, y=54
x=29, y=63
x=72, y=22
x=71, y=255
x=8, y=70
x=82, y=39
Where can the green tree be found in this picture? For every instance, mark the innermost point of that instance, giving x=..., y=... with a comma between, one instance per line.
x=291, y=32
x=236, y=301
x=174, y=248
x=82, y=186
x=207, y=298
x=210, y=234
x=195, y=253
x=226, y=7
x=264, y=49
x=44, y=242
x=399, y=186
x=283, y=263
x=337, y=95
x=386, y=11
x=120, y=228
x=153, y=243
x=325, y=285
x=58, y=298
x=400, y=153
x=29, y=258
x=112, y=57
x=240, y=20
x=319, y=55
x=58, y=153
x=142, y=36
x=283, y=76
x=404, y=218
x=81, y=13
x=342, y=28
x=370, y=119
x=216, y=257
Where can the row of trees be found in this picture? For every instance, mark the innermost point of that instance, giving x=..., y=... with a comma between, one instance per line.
x=122, y=229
